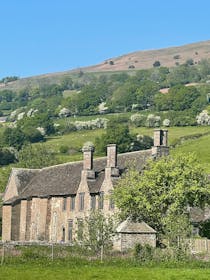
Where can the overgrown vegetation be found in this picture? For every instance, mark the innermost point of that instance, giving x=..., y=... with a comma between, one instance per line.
x=163, y=193
x=70, y=262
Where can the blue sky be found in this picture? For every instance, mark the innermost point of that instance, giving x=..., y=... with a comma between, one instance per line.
x=45, y=36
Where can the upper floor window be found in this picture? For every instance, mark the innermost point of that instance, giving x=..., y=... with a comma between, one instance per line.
x=64, y=203
x=72, y=203
x=81, y=201
x=101, y=200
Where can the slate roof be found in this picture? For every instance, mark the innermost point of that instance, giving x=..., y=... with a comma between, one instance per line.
x=23, y=176
x=128, y=226
x=64, y=179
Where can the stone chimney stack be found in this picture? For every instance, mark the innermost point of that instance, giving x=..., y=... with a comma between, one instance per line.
x=111, y=168
x=157, y=137
x=165, y=137
x=160, y=147
x=88, y=150
x=112, y=155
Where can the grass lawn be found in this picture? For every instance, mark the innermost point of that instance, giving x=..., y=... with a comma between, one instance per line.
x=86, y=272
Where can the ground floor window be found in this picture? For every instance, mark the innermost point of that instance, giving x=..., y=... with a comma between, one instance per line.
x=70, y=231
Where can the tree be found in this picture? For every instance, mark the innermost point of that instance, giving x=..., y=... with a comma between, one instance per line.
x=163, y=191
x=189, y=61
x=36, y=156
x=115, y=133
x=98, y=231
x=119, y=134
x=13, y=137
x=6, y=157
x=156, y=63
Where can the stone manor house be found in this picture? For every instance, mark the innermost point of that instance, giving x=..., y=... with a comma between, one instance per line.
x=49, y=204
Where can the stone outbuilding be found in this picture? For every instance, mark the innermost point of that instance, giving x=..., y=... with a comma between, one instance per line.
x=128, y=234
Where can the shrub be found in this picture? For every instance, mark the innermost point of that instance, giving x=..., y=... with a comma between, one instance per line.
x=203, y=118
x=166, y=122
x=63, y=149
x=138, y=120
x=64, y=112
x=92, y=124
x=143, y=252
x=153, y=121
x=156, y=63
x=190, y=61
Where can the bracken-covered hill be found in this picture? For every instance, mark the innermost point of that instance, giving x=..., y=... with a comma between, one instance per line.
x=129, y=62
x=145, y=59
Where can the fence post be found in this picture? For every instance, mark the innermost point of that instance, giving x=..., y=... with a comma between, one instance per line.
x=2, y=255
x=52, y=252
x=102, y=253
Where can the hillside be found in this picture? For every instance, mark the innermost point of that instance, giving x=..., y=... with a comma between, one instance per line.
x=167, y=57
x=129, y=62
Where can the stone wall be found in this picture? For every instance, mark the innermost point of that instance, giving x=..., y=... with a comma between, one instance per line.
x=125, y=241
x=15, y=228
x=28, y=220
x=23, y=215
x=7, y=222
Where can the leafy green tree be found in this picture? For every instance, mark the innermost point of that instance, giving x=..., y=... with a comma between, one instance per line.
x=145, y=93
x=98, y=231
x=116, y=133
x=33, y=135
x=204, y=68
x=124, y=96
x=183, y=74
x=39, y=120
x=67, y=83
x=178, y=98
x=36, y=156
x=163, y=191
x=13, y=137
x=6, y=157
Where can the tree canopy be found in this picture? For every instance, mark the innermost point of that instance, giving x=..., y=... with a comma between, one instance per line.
x=163, y=191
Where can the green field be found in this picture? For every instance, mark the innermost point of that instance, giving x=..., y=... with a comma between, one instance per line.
x=75, y=140
x=90, y=271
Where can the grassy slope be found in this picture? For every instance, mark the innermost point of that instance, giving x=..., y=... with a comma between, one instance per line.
x=140, y=59
x=87, y=272
x=200, y=147
x=77, y=139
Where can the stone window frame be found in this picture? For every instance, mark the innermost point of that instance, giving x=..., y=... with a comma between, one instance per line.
x=111, y=200
x=80, y=229
x=93, y=201
x=64, y=203
x=81, y=201
x=101, y=201
x=70, y=230
x=72, y=202
x=63, y=234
